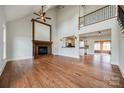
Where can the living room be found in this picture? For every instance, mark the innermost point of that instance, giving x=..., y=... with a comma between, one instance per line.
x=31, y=45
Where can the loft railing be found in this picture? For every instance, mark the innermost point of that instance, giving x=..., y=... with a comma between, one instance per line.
x=121, y=17
x=99, y=15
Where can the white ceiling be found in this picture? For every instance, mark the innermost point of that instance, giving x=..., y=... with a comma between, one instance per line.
x=94, y=34
x=13, y=12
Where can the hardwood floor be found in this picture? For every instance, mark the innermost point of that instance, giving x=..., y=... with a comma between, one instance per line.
x=58, y=71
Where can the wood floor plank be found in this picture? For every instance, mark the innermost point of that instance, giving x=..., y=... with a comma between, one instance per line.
x=58, y=71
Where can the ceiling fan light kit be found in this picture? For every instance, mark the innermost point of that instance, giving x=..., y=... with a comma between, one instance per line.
x=42, y=15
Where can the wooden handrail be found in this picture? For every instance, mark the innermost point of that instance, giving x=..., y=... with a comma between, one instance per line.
x=101, y=21
x=121, y=17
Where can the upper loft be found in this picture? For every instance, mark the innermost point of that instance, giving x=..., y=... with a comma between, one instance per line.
x=101, y=14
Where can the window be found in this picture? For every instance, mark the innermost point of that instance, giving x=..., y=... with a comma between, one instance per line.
x=102, y=46
x=106, y=46
x=97, y=46
x=4, y=41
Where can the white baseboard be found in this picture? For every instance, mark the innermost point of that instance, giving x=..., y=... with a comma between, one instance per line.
x=122, y=73
x=114, y=63
x=2, y=68
x=69, y=56
x=55, y=54
x=21, y=58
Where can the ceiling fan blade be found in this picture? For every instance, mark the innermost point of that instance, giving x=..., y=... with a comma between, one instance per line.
x=37, y=18
x=48, y=18
x=44, y=20
x=44, y=13
x=36, y=14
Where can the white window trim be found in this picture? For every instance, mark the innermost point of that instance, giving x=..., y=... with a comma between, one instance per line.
x=4, y=42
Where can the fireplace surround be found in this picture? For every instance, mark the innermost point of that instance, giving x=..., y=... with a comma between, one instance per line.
x=46, y=45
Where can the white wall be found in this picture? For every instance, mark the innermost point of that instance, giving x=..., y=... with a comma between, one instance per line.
x=121, y=52
x=2, y=22
x=19, y=36
x=89, y=8
x=53, y=14
x=42, y=32
x=67, y=25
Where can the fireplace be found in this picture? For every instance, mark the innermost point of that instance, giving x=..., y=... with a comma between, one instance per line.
x=41, y=47
x=42, y=50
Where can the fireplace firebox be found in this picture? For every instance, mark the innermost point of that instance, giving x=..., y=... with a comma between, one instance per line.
x=42, y=50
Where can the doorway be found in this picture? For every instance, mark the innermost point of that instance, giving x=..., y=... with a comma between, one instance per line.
x=97, y=44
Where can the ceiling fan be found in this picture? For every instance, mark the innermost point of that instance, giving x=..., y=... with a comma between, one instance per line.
x=42, y=14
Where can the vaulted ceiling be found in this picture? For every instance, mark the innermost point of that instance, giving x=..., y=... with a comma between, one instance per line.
x=13, y=12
